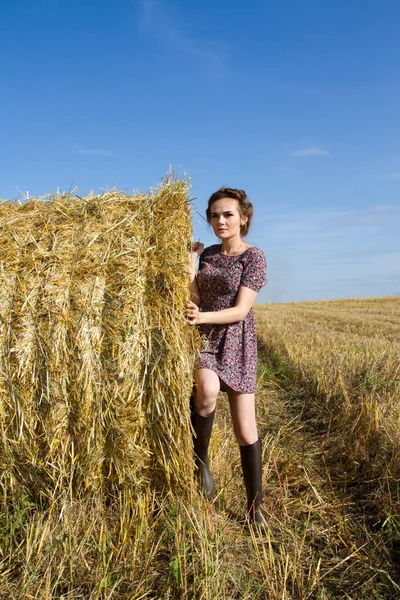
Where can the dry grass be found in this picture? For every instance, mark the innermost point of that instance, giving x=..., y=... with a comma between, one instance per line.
x=342, y=359
x=164, y=547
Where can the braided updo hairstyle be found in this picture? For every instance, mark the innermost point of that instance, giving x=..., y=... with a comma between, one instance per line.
x=245, y=206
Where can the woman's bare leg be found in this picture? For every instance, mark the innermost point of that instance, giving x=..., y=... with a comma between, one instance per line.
x=207, y=390
x=243, y=412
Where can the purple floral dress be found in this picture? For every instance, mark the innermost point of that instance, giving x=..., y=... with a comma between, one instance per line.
x=230, y=350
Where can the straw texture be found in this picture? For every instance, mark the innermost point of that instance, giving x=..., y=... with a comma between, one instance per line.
x=96, y=358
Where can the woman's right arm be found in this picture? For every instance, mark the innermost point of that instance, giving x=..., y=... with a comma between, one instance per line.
x=197, y=249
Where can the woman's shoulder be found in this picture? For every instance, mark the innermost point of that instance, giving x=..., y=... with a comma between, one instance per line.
x=253, y=251
x=254, y=269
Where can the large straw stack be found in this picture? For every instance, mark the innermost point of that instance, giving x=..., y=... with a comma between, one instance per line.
x=95, y=355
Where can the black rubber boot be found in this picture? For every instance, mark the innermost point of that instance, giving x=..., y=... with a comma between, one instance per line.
x=192, y=406
x=251, y=457
x=203, y=427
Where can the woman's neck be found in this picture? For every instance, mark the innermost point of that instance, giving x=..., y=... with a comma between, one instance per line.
x=232, y=246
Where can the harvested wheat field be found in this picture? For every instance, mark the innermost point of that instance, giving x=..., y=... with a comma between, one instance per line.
x=344, y=357
x=338, y=363
x=97, y=493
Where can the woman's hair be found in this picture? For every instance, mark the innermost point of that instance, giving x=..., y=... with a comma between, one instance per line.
x=245, y=206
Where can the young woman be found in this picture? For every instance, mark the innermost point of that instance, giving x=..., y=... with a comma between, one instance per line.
x=229, y=277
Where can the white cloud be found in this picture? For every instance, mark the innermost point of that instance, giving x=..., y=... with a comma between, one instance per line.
x=310, y=152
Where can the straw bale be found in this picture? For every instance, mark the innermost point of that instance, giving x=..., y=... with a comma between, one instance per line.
x=95, y=356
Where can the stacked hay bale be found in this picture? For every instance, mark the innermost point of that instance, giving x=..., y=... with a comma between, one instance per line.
x=95, y=355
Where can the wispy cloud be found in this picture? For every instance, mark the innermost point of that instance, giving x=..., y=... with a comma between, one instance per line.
x=334, y=261
x=393, y=175
x=326, y=253
x=379, y=216
x=320, y=226
x=157, y=17
x=332, y=252
x=96, y=152
x=371, y=251
x=310, y=152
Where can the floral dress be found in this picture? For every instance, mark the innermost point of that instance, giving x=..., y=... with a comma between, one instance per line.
x=230, y=350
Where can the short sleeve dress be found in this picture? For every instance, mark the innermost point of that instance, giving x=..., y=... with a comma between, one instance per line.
x=230, y=350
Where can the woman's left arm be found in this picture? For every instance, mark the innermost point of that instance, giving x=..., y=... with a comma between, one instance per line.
x=244, y=301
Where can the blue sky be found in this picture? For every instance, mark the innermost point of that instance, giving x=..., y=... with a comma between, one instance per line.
x=295, y=102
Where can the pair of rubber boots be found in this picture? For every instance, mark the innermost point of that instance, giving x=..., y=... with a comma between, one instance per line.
x=251, y=459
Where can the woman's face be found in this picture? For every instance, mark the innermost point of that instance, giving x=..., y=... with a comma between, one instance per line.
x=226, y=218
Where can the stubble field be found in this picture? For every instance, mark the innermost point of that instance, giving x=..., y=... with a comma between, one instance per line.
x=328, y=414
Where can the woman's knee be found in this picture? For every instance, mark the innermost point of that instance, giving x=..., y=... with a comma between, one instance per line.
x=207, y=390
x=246, y=433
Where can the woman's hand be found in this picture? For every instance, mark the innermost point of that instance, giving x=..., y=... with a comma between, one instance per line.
x=193, y=314
x=195, y=252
